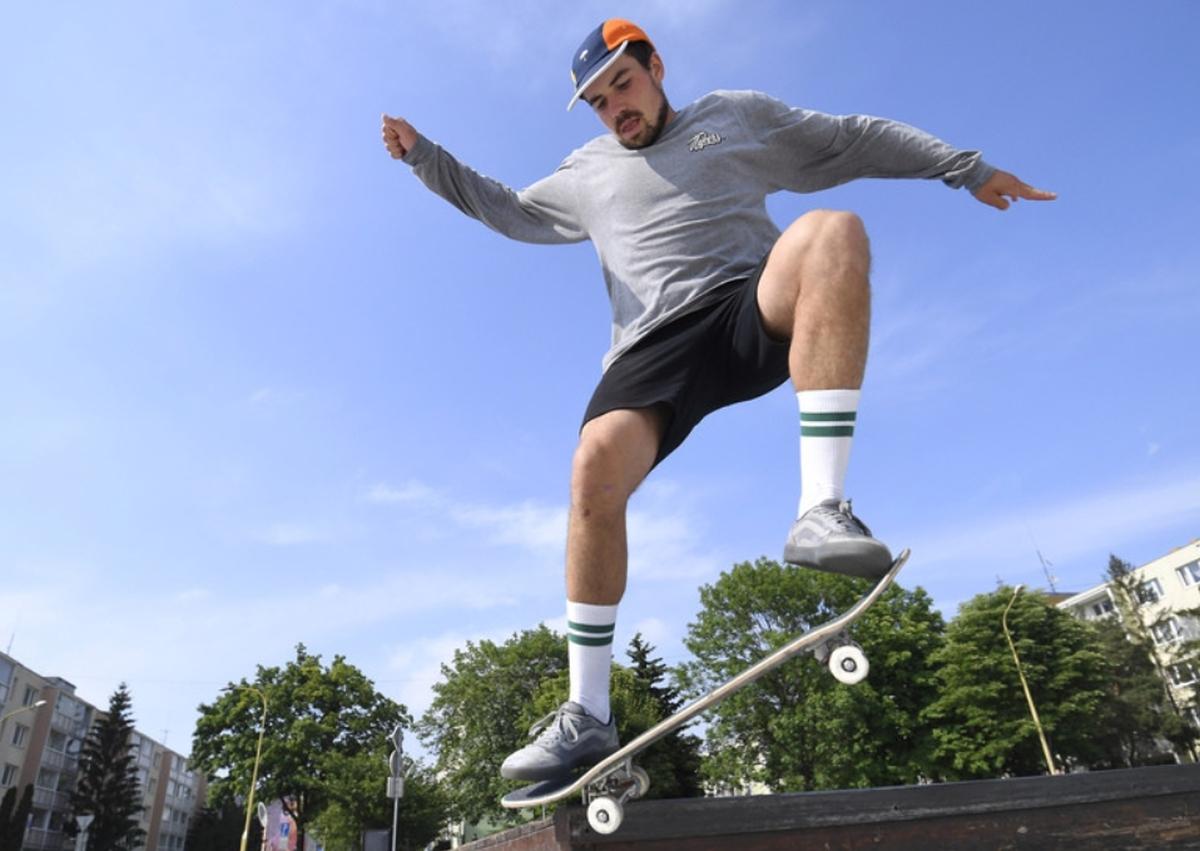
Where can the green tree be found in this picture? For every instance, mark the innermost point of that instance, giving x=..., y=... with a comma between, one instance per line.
x=1131, y=601
x=475, y=718
x=108, y=787
x=982, y=722
x=323, y=723
x=14, y=816
x=219, y=828
x=367, y=807
x=797, y=728
x=1135, y=714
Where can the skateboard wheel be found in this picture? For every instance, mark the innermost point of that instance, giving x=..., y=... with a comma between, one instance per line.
x=641, y=781
x=849, y=664
x=604, y=815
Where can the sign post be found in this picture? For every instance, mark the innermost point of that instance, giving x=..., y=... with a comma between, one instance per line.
x=395, y=784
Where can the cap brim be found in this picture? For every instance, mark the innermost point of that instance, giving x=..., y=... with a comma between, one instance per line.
x=591, y=78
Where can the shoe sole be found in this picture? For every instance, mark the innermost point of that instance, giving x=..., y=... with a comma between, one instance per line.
x=853, y=560
x=544, y=773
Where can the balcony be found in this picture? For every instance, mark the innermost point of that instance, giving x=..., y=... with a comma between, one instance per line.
x=50, y=799
x=35, y=840
x=67, y=724
x=54, y=759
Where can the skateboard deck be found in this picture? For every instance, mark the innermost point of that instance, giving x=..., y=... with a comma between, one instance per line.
x=615, y=779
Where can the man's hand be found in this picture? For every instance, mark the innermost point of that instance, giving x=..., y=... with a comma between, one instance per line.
x=1002, y=186
x=398, y=136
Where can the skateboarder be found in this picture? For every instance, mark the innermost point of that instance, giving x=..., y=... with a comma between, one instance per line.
x=711, y=305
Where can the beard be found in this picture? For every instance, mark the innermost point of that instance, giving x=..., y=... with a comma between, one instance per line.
x=650, y=131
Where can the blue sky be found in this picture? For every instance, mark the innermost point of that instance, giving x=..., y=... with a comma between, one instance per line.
x=260, y=387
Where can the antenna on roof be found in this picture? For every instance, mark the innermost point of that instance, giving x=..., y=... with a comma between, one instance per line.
x=1051, y=579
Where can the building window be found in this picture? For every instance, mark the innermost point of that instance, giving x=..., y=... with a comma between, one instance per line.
x=1104, y=607
x=1183, y=674
x=1149, y=592
x=19, y=736
x=31, y=694
x=1166, y=632
x=9, y=777
x=1189, y=574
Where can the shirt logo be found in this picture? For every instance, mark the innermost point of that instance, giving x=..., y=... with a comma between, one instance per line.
x=702, y=140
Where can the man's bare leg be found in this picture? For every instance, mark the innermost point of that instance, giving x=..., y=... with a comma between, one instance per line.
x=616, y=451
x=815, y=291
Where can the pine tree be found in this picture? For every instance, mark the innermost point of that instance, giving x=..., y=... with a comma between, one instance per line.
x=108, y=780
x=6, y=812
x=14, y=816
x=676, y=755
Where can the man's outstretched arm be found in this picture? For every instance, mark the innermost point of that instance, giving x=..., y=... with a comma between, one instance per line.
x=542, y=213
x=1003, y=188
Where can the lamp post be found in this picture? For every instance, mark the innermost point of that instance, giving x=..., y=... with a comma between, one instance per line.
x=257, y=759
x=1037, y=722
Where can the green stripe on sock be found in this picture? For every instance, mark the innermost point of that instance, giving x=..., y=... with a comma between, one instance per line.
x=827, y=431
x=590, y=642
x=593, y=628
x=848, y=416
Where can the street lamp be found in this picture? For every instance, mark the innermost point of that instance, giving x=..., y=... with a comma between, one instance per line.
x=28, y=708
x=257, y=759
x=1021, y=673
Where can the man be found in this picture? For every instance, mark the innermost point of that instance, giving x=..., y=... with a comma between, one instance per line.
x=712, y=305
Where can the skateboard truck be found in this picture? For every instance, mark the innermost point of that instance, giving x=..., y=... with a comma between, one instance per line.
x=845, y=659
x=605, y=798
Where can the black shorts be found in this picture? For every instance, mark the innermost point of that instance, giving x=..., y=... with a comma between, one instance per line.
x=712, y=357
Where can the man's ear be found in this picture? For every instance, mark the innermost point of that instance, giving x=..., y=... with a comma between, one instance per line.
x=657, y=69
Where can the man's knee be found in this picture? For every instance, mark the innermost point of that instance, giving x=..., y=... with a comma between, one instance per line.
x=830, y=231
x=614, y=454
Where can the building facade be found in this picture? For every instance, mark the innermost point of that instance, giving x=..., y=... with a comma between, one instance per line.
x=41, y=737
x=1166, y=589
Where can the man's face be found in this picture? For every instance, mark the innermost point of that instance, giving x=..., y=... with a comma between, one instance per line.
x=629, y=100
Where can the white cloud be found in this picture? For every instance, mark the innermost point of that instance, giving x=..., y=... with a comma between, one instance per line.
x=538, y=528
x=410, y=492
x=292, y=535
x=1072, y=529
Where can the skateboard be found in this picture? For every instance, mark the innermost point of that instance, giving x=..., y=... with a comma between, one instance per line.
x=615, y=780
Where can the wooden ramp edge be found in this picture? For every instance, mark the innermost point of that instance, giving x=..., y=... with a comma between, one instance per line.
x=1140, y=808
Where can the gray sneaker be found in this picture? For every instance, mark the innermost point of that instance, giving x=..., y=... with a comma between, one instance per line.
x=829, y=537
x=569, y=738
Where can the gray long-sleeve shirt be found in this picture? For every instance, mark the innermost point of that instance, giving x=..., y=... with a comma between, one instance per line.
x=674, y=221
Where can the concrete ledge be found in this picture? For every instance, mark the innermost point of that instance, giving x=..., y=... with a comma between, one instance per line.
x=1151, y=808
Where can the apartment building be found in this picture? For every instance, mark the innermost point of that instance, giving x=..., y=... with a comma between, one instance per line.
x=1166, y=588
x=41, y=736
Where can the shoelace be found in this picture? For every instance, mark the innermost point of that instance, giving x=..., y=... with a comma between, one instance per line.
x=556, y=725
x=844, y=518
